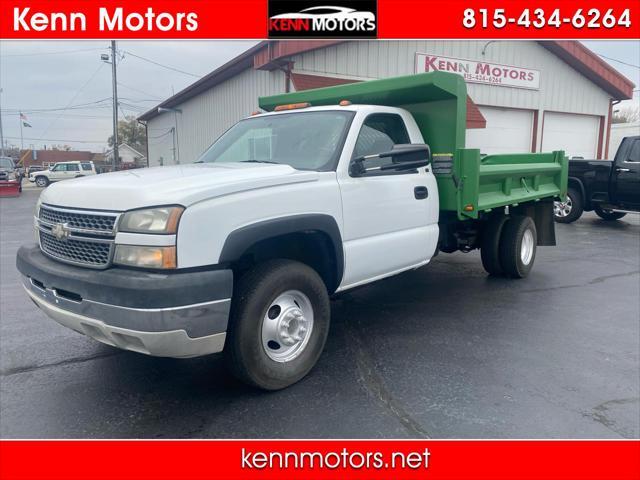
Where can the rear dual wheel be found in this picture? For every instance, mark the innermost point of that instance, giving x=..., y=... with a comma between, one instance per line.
x=509, y=246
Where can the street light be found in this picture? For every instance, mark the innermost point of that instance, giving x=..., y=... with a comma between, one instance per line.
x=176, y=142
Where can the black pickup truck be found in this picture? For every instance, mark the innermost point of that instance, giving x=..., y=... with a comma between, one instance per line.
x=610, y=187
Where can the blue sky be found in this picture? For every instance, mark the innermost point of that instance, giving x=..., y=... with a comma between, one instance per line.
x=53, y=74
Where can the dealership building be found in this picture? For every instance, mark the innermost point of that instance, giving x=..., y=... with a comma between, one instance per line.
x=523, y=96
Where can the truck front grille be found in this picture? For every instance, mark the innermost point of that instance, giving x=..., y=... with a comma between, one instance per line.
x=95, y=254
x=84, y=221
x=84, y=238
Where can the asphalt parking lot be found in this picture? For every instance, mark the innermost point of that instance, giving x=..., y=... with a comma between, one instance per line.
x=441, y=352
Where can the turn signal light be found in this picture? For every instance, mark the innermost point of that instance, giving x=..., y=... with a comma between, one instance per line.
x=468, y=208
x=291, y=106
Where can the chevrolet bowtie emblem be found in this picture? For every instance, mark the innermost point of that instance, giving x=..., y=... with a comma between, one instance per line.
x=61, y=231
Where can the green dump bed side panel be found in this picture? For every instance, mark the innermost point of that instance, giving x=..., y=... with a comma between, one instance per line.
x=438, y=103
x=473, y=185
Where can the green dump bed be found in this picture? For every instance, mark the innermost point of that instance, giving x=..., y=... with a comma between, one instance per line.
x=467, y=183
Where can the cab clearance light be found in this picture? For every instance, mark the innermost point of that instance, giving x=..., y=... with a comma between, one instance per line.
x=468, y=208
x=344, y=103
x=257, y=112
x=291, y=106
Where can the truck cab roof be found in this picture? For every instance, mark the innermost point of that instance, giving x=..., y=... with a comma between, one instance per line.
x=338, y=107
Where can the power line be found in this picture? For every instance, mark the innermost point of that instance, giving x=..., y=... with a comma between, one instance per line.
x=124, y=115
x=161, y=65
x=61, y=52
x=162, y=134
x=79, y=106
x=619, y=61
x=58, y=140
x=136, y=90
x=142, y=100
x=84, y=85
x=48, y=114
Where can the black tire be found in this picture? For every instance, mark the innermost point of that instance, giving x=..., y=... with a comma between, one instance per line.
x=608, y=215
x=254, y=293
x=576, y=207
x=490, y=245
x=511, y=246
x=42, y=181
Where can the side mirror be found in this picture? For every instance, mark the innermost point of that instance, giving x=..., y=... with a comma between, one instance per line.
x=407, y=156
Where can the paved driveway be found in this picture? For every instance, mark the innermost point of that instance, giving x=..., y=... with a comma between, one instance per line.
x=444, y=351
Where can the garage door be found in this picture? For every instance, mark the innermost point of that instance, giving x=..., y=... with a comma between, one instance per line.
x=577, y=135
x=507, y=131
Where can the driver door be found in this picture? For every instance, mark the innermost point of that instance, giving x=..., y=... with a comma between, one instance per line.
x=390, y=217
x=625, y=187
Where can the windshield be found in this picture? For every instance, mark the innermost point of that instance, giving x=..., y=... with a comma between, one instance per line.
x=6, y=163
x=304, y=140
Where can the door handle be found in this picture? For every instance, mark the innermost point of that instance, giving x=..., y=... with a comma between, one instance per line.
x=420, y=193
x=622, y=169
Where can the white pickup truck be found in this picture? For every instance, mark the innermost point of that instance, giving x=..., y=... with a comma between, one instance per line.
x=242, y=249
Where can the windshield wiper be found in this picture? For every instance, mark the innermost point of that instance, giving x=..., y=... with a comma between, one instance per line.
x=258, y=161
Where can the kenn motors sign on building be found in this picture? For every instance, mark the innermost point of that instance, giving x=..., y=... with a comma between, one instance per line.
x=480, y=72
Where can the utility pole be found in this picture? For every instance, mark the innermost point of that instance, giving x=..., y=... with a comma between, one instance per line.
x=114, y=79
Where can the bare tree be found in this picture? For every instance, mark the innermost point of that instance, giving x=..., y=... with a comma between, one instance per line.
x=627, y=114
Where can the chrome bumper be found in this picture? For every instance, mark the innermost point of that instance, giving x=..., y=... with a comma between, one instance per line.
x=159, y=332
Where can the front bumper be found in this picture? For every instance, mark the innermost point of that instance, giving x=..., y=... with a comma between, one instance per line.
x=162, y=314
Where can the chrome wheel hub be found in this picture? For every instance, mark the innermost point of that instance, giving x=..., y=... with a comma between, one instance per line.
x=562, y=209
x=287, y=326
x=526, y=247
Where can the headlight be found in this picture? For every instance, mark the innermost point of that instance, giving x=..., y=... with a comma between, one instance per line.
x=145, y=257
x=12, y=176
x=152, y=220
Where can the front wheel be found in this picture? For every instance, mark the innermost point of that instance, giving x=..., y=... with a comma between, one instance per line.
x=608, y=215
x=42, y=181
x=279, y=323
x=518, y=244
